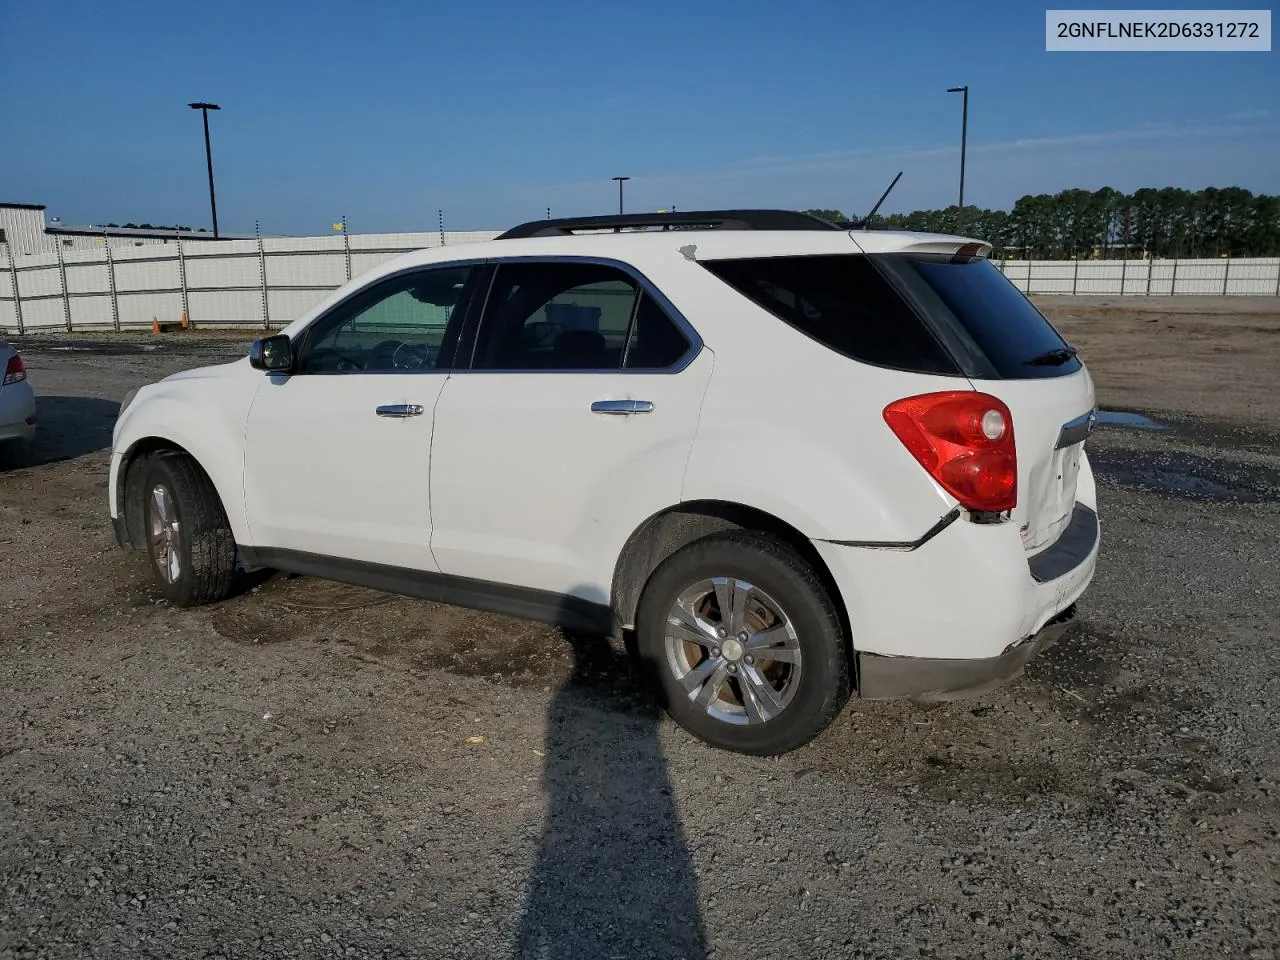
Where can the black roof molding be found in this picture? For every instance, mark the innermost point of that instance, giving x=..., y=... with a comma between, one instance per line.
x=692, y=220
x=22, y=206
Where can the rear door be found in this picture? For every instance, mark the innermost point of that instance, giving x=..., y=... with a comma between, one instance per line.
x=1012, y=352
x=572, y=427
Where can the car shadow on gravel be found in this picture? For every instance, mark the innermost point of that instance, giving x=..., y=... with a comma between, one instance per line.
x=614, y=875
x=67, y=428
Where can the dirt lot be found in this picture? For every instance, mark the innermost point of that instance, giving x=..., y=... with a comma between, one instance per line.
x=287, y=774
x=1211, y=356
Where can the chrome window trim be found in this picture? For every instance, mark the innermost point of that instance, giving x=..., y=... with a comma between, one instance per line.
x=646, y=285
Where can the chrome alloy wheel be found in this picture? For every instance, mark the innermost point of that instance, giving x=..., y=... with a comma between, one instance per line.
x=733, y=650
x=164, y=533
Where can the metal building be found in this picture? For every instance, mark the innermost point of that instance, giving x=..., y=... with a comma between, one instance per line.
x=87, y=237
x=22, y=228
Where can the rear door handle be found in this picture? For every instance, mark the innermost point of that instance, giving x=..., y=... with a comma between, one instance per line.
x=622, y=408
x=400, y=410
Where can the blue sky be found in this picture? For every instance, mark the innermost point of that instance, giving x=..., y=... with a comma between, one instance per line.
x=385, y=111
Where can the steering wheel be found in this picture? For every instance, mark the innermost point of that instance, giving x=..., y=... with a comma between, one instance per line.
x=415, y=358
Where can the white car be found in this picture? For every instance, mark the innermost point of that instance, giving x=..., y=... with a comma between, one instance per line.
x=792, y=461
x=17, y=399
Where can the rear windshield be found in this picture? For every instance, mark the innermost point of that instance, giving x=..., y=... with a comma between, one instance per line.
x=1015, y=338
x=844, y=303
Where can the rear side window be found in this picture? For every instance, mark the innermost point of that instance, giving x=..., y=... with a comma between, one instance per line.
x=1016, y=339
x=844, y=303
x=574, y=316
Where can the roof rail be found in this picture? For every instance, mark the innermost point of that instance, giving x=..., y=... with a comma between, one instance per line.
x=698, y=219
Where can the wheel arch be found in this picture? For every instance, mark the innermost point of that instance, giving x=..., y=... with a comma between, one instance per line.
x=129, y=477
x=677, y=526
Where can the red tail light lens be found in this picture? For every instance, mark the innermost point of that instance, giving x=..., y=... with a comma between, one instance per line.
x=15, y=370
x=965, y=441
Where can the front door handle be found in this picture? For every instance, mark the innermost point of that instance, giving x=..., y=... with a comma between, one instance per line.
x=400, y=410
x=622, y=408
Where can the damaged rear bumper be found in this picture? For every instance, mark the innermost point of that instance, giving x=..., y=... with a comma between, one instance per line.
x=881, y=677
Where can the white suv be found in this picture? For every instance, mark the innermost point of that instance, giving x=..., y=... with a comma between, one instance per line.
x=789, y=460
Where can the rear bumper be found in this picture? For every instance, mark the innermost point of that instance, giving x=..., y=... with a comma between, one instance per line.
x=17, y=412
x=17, y=431
x=964, y=610
x=886, y=677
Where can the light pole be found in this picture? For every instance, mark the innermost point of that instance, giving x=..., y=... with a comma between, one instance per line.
x=964, y=136
x=621, y=181
x=204, y=109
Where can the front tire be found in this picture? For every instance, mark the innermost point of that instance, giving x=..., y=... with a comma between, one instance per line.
x=188, y=539
x=745, y=644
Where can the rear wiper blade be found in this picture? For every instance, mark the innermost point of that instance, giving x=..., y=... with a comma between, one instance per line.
x=1051, y=358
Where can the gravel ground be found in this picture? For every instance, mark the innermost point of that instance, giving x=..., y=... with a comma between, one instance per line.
x=288, y=774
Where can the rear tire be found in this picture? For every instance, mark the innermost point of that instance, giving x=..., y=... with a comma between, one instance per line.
x=768, y=677
x=187, y=538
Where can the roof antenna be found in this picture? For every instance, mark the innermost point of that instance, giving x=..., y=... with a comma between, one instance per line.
x=867, y=219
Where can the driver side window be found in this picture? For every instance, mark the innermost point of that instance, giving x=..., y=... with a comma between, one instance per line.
x=405, y=323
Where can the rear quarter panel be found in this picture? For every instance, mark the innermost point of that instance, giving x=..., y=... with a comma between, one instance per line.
x=790, y=427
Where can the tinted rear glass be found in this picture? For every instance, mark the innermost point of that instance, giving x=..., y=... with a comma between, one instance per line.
x=1015, y=337
x=844, y=303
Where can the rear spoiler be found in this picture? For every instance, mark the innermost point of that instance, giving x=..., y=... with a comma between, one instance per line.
x=960, y=249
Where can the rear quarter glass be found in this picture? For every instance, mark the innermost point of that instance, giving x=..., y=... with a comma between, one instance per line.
x=843, y=302
x=981, y=306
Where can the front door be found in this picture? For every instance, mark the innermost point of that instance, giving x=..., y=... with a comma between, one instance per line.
x=572, y=426
x=338, y=451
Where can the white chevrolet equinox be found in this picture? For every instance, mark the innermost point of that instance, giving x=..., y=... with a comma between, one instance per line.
x=790, y=461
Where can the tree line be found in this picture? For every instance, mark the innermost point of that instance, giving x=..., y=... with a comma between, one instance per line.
x=1159, y=223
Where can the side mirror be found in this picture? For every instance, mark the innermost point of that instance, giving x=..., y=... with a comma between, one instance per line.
x=273, y=354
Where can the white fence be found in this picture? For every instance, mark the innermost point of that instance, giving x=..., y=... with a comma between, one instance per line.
x=271, y=281
x=266, y=282
x=1258, y=277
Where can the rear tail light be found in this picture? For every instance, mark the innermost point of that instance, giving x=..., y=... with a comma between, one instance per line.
x=965, y=441
x=14, y=370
